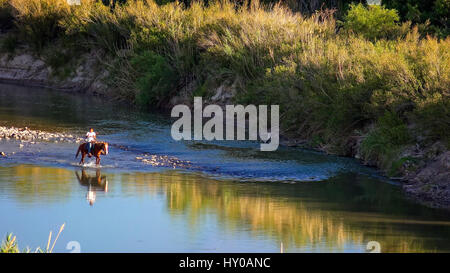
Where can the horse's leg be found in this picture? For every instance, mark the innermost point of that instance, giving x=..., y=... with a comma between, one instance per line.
x=97, y=161
x=82, y=158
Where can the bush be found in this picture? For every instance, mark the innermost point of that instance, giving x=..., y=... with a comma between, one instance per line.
x=373, y=22
x=38, y=20
x=97, y=27
x=9, y=43
x=434, y=119
x=432, y=15
x=389, y=134
x=155, y=80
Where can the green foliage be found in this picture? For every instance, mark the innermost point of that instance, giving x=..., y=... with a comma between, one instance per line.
x=432, y=15
x=9, y=43
x=38, y=20
x=155, y=80
x=60, y=61
x=373, y=22
x=200, y=91
x=442, y=13
x=389, y=134
x=96, y=26
x=9, y=245
x=397, y=167
x=434, y=119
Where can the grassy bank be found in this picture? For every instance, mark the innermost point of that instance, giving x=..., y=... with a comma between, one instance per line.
x=368, y=86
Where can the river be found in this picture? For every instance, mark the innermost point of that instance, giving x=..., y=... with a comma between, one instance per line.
x=154, y=194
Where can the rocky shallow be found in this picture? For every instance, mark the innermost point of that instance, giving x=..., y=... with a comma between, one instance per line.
x=26, y=135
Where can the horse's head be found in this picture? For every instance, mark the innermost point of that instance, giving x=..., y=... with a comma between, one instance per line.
x=105, y=148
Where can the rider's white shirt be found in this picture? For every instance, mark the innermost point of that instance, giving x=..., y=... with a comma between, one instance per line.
x=90, y=136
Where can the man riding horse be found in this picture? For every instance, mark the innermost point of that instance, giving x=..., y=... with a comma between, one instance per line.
x=91, y=137
x=92, y=148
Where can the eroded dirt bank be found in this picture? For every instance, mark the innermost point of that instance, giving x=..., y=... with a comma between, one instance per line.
x=25, y=69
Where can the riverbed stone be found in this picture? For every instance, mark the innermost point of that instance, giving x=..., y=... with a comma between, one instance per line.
x=26, y=135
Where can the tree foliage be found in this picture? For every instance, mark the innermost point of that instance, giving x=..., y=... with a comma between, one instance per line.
x=434, y=15
x=374, y=22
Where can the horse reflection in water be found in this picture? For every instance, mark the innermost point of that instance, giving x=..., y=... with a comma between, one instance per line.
x=93, y=183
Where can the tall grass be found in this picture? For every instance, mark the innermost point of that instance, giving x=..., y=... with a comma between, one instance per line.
x=38, y=20
x=331, y=84
x=10, y=245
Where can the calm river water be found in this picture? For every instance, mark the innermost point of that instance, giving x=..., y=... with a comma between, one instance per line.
x=153, y=194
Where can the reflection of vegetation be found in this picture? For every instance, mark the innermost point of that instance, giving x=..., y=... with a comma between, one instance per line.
x=31, y=183
x=300, y=155
x=298, y=215
x=343, y=213
x=54, y=111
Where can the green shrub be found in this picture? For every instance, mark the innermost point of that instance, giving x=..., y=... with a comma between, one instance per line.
x=9, y=43
x=389, y=134
x=373, y=22
x=432, y=15
x=442, y=11
x=97, y=27
x=434, y=119
x=9, y=245
x=156, y=79
x=38, y=20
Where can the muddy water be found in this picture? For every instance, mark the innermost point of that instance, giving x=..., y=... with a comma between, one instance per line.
x=153, y=194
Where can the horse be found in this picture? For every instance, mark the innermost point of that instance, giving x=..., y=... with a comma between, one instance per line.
x=97, y=149
x=93, y=183
x=96, y=183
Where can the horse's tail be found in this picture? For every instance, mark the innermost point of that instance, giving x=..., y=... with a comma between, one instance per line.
x=79, y=149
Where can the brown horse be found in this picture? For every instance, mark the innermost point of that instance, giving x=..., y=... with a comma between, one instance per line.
x=94, y=184
x=97, y=149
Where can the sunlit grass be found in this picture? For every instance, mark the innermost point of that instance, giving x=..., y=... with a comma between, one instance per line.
x=10, y=245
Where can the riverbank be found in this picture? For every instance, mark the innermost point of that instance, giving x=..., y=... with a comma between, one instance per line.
x=383, y=101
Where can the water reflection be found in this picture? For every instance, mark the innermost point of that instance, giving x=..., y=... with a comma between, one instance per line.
x=339, y=215
x=94, y=183
x=304, y=217
x=31, y=184
x=56, y=111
